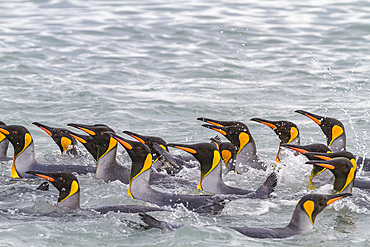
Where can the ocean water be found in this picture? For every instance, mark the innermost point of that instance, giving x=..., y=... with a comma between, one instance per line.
x=153, y=67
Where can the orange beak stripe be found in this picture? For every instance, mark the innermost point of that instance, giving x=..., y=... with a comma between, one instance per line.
x=47, y=131
x=215, y=124
x=4, y=131
x=302, y=151
x=125, y=144
x=190, y=150
x=331, y=167
x=323, y=157
x=333, y=200
x=314, y=119
x=90, y=132
x=45, y=177
x=222, y=132
x=270, y=125
x=138, y=139
x=78, y=138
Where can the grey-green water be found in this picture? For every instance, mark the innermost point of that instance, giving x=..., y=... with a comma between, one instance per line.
x=153, y=67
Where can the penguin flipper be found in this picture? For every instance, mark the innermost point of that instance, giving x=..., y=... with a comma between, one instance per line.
x=44, y=186
x=267, y=187
x=154, y=223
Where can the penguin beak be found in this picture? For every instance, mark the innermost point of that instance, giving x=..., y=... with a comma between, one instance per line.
x=322, y=163
x=333, y=198
x=265, y=122
x=124, y=142
x=78, y=138
x=316, y=118
x=45, y=128
x=4, y=130
x=187, y=148
x=210, y=121
x=84, y=128
x=139, y=138
x=295, y=148
x=45, y=176
x=219, y=129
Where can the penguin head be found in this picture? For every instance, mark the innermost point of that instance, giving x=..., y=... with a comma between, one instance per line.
x=66, y=183
x=207, y=154
x=237, y=135
x=149, y=140
x=139, y=153
x=101, y=134
x=221, y=123
x=18, y=136
x=286, y=131
x=343, y=170
x=313, y=204
x=60, y=136
x=332, y=128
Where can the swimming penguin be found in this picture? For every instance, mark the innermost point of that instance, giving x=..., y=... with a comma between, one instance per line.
x=69, y=194
x=238, y=134
x=335, y=136
x=304, y=215
x=24, y=154
x=332, y=128
x=287, y=132
x=343, y=171
x=211, y=180
x=61, y=136
x=139, y=187
x=88, y=142
x=359, y=182
x=108, y=168
x=4, y=144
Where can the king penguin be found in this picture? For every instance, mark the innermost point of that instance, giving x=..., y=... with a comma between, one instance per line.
x=302, y=221
x=359, y=182
x=61, y=136
x=139, y=187
x=335, y=136
x=211, y=180
x=24, y=154
x=69, y=194
x=239, y=135
x=343, y=171
x=4, y=144
x=287, y=132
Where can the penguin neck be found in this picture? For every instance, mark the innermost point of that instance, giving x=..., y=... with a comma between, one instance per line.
x=247, y=155
x=340, y=184
x=72, y=202
x=339, y=144
x=213, y=181
x=4, y=144
x=24, y=160
x=105, y=163
x=139, y=187
x=300, y=222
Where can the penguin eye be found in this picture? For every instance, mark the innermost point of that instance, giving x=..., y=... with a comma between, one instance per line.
x=321, y=203
x=101, y=133
x=139, y=148
x=204, y=150
x=61, y=179
x=15, y=132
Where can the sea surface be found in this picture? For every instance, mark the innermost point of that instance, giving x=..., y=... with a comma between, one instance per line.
x=153, y=67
